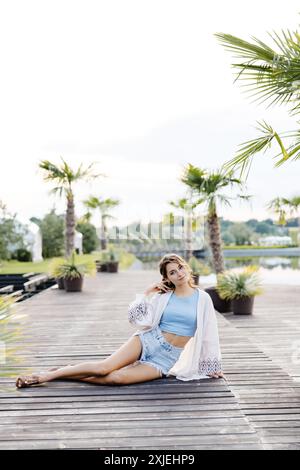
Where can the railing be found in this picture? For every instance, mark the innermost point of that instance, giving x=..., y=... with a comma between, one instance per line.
x=160, y=253
x=23, y=286
x=35, y=281
x=6, y=289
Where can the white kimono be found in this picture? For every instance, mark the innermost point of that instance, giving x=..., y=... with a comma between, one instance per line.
x=201, y=355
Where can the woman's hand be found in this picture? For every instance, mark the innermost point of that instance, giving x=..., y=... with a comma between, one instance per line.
x=158, y=287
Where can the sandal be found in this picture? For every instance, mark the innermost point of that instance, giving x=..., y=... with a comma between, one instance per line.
x=27, y=381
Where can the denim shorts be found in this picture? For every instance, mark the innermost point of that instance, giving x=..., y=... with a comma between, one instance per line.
x=157, y=351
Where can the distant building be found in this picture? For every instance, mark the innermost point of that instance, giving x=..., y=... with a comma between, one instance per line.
x=33, y=240
x=78, y=242
x=275, y=240
x=294, y=233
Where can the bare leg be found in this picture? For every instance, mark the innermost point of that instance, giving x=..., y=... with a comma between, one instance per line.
x=127, y=354
x=74, y=377
x=133, y=373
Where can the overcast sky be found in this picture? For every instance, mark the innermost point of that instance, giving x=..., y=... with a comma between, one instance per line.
x=142, y=87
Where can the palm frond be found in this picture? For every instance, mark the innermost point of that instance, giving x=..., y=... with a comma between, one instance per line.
x=58, y=189
x=64, y=175
x=104, y=205
x=244, y=49
x=295, y=201
x=274, y=73
x=92, y=202
x=251, y=147
x=244, y=197
x=224, y=200
x=293, y=152
x=180, y=204
x=52, y=172
x=86, y=173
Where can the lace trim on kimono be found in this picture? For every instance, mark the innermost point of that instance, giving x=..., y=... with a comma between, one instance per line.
x=137, y=312
x=210, y=366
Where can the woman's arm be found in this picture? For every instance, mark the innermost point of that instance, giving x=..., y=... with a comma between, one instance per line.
x=157, y=287
x=141, y=310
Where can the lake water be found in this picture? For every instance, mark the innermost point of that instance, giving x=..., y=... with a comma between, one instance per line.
x=273, y=270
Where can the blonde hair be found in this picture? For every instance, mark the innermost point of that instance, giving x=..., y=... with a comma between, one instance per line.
x=173, y=258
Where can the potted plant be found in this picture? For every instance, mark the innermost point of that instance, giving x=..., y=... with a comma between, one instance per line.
x=55, y=271
x=221, y=305
x=73, y=273
x=240, y=288
x=101, y=264
x=113, y=262
x=197, y=268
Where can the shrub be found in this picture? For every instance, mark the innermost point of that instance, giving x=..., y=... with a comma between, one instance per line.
x=89, y=237
x=21, y=254
x=233, y=285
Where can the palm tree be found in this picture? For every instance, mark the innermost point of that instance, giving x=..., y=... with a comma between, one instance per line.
x=270, y=75
x=282, y=205
x=103, y=205
x=294, y=204
x=208, y=185
x=186, y=206
x=64, y=176
x=278, y=206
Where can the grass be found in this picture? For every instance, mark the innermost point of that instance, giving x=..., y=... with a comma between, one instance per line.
x=15, y=267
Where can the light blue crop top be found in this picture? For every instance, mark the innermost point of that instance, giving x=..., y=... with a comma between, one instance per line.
x=180, y=315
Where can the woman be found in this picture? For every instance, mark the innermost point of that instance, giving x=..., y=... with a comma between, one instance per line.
x=177, y=335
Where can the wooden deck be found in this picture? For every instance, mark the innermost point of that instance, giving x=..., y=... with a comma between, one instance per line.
x=259, y=407
x=269, y=388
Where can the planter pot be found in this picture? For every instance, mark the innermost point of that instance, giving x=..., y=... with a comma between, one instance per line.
x=101, y=267
x=243, y=305
x=97, y=263
x=196, y=278
x=73, y=285
x=60, y=282
x=220, y=305
x=112, y=266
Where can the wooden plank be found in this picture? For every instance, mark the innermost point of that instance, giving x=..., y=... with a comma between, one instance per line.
x=64, y=442
x=90, y=419
x=260, y=396
x=275, y=325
